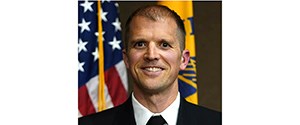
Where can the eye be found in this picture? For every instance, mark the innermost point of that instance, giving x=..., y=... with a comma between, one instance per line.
x=165, y=45
x=139, y=44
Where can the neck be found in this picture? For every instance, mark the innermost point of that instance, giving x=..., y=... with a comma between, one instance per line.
x=156, y=102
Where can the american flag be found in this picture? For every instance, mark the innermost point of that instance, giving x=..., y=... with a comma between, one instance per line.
x=102, y=77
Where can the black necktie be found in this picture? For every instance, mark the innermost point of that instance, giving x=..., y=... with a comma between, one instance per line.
x=157, y=120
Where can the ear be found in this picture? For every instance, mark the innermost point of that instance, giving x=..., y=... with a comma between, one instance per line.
x=184, y=59
x=125, y=58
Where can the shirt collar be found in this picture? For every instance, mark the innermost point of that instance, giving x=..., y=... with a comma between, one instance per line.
x=142, y=114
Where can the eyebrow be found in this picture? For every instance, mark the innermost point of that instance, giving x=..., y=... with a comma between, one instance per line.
x=137, y=40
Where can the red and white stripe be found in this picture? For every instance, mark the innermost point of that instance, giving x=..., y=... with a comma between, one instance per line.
x=116, y=89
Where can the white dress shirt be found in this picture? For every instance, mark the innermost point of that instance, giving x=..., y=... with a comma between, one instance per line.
x=142, y=114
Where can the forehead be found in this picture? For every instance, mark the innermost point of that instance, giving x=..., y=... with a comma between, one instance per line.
x=140, y=19
x=162, y=24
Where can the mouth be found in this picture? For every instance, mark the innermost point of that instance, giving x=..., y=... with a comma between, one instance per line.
x=152, y=69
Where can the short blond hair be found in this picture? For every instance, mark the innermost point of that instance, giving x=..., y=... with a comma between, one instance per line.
x=155, y=12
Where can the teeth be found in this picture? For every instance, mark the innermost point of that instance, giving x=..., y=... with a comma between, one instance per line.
x=153, y=69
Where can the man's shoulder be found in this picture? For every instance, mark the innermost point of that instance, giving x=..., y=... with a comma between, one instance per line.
x=200, y=110
x=106, y=116
x=119, y=115
x=199, y=114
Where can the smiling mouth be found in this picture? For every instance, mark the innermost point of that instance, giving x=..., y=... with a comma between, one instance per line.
x=153, y=69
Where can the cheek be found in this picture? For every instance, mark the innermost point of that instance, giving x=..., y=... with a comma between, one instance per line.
x=173, y=59
x=134, y=58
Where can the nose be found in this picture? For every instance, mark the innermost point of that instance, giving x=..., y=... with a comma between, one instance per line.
x=151, y=52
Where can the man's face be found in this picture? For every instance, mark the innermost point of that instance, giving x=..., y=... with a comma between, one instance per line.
x=153, y=56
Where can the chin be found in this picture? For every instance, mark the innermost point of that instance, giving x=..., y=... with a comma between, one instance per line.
x=153, y=88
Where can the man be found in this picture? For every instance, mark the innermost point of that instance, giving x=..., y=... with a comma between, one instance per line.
x=154, y=54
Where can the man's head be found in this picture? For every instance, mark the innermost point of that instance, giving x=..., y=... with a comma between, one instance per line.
x=154, y=51
x=155, y=13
